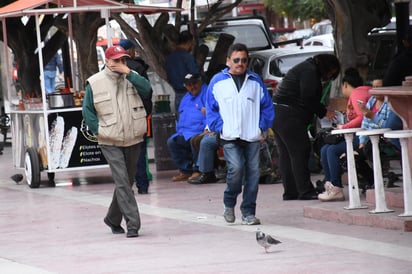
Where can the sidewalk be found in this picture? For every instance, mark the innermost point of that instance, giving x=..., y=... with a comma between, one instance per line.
x=61, y=230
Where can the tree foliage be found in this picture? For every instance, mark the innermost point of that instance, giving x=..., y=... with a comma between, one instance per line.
x=302, y=9
x=351, y=20
x=156, y=40
x=160, y=39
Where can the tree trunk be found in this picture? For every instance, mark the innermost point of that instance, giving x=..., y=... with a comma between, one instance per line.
x=85, y=39
x=352, y=20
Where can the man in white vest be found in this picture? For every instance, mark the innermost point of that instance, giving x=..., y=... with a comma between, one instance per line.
x=113, y=110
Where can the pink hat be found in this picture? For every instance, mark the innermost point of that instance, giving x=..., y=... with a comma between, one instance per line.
x=115, y=52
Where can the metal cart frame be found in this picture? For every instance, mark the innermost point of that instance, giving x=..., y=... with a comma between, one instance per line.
x=29, y=157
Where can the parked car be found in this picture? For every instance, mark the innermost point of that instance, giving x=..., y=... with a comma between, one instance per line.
x=272, y=65
x=277, y=33
x=322, y=27
x=251, y=31
x=326, y=40
x=300, y=33
x=383, y=46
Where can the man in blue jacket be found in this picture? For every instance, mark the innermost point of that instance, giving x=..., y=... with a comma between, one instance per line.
x=191, y=122
x=240, y=110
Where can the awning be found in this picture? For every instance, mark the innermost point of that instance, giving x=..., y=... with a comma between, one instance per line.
x=30, y=7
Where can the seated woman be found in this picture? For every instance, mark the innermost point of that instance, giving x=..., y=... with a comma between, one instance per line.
x=378, y=114
x=352, y=88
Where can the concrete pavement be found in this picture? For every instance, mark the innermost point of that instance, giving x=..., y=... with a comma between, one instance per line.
x=61, y=230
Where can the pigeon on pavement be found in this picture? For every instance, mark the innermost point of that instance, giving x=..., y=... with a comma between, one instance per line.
x=265, y=240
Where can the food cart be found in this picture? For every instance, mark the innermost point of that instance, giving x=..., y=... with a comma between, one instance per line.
x=48, y=134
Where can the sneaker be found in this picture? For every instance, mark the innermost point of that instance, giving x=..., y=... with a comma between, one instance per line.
x=229, y=214
x=333, y=194
x=250, y=220
x=181, y=177
x=328, y=186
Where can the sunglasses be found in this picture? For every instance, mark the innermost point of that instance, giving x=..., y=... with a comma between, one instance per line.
x=237, y=60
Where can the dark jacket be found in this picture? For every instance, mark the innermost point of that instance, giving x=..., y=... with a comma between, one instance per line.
x=301, y=88
x=137, y=64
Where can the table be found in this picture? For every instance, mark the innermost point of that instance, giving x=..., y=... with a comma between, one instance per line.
x=400, y=100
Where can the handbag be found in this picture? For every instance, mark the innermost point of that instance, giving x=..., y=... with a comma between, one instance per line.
x=325, y=136
x=333, y=139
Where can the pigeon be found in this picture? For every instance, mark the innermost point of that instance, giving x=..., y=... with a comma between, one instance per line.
x=265, y=240
x=17, y=178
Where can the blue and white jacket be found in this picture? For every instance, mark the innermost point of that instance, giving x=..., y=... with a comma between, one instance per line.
x=242, y=114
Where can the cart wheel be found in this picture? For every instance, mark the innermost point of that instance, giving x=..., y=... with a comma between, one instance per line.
x=32, y=168
x=50, y=176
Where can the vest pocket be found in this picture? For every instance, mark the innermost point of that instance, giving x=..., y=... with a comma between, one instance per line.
x=139, y=122
x=103, y=105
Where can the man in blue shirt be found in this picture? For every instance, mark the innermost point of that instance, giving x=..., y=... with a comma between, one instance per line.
x=178, y=64
x=192, y=121
x=50, y=72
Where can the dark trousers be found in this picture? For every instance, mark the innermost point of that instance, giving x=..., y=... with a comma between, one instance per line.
x=182, y=154
x=290, y=127
x=142, y=180
x=123, y=163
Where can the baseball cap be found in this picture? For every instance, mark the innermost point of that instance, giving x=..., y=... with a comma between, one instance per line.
x=115, y=52
x=191, y=78
x=127, y=44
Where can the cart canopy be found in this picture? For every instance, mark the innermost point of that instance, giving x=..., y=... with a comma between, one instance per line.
x=30, y=7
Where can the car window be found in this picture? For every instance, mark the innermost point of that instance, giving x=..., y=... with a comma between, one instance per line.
x=253, y=36
x=280, y=66
x=317, y=43
x=256, y=65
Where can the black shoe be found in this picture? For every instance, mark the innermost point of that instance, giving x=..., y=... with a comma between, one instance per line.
x=131, y=233
x=320, y=186
x=115, y=229
x=204, y=178
x=142, y=191
x=309, y=196
x=289, y=198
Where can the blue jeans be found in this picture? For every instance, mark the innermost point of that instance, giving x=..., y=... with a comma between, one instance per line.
x=242, y=159
x=207, y=153
x=182, y=154
x=49, y=80
x=329, y=155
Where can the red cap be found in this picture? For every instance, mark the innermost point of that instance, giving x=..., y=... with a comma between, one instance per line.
x=115, y=52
